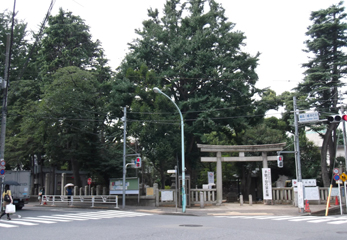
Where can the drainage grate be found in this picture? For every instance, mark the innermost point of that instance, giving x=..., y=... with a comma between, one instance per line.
x=190, y=225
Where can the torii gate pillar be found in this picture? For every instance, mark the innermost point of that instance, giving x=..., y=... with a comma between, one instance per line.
x=219, y=181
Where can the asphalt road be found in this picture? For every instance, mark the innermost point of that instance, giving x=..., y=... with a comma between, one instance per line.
x=73, y=223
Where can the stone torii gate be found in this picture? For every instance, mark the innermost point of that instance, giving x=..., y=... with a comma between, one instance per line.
x=241, y=149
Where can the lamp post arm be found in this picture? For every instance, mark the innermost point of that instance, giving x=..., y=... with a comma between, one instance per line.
x=157, y=90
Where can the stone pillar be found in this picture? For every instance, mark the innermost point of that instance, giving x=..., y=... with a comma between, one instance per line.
x=47, y=184
x=264, y=156
x=219, y=179
x=156, y=194
x=62, y=184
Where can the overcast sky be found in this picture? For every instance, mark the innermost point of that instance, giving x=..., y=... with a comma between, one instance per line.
x=275, y=28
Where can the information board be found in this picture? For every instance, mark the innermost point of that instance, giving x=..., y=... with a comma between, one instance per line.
x=131, y=186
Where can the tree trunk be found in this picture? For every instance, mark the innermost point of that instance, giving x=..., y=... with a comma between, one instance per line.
x=327, y=140
x=76, y=172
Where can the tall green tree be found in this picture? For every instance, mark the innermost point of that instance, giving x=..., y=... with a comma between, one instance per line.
x=198, y=62
x=324, y=71
x=67, y=42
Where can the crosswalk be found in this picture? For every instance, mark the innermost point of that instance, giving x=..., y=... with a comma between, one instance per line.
x=69, y=217
x=335, y=220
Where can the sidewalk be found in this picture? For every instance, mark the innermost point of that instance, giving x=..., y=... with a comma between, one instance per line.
x=231, y=209
x=234, y=209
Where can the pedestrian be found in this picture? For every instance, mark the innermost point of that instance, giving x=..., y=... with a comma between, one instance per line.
x=7, y=199
x=41, y=194
x=69, y=193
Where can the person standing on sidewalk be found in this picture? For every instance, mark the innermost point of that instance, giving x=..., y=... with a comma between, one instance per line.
x=7, y=199
x=41, y=194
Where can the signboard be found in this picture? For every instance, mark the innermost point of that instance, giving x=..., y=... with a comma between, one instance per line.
x=89, y=181
x=300, y=195
x=131, y=186
x=343, y=177
x=2, y=171
x=267, y=188
x=305, y=182
x=2, y=164
x=210, y=176
x=336, y=171
x=334, y=192
x=336, y=177
x=309, y=117
x=311, y=193
x=167, y=195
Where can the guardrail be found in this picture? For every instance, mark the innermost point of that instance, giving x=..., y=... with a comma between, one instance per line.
x=71, y=200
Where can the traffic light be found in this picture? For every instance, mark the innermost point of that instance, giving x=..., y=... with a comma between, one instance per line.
x=336, y=118
x=280, y=161
x=344, y=117
x=138, y=162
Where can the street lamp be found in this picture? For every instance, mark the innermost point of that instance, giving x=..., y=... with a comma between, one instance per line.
x=157, y=90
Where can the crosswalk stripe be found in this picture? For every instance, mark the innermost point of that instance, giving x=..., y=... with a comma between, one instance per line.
x=22, y=223
x=81, y=216
x=37, y=220
x=7, y=225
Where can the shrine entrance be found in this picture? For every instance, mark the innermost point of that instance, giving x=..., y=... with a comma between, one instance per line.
x=241, y=149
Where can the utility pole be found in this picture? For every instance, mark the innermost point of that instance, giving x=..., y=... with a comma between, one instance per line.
x=124, y=153
x=4, y=102
x=344, y=138
x=4, y=107
x=300, y=185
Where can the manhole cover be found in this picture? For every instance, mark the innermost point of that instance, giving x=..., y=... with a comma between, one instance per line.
x=190, y=225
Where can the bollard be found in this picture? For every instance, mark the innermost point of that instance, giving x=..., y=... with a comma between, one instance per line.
x=86, y=190
x=241, y=200
x=202, y=202
x=250, y=199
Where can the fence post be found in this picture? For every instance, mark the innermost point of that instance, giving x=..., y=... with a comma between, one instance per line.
x=86, y=190
x=202, y=203
x=241, y=200
x=250, y=199
x=92, y=201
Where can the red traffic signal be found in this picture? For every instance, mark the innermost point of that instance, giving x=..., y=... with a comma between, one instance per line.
x=138, y=162
x=344, y=117
x=280, y=161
